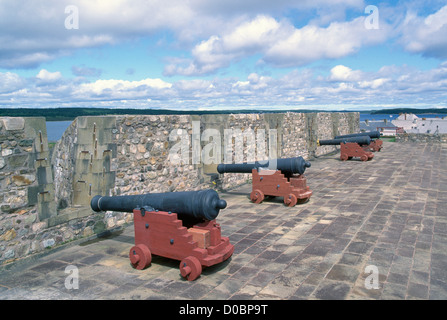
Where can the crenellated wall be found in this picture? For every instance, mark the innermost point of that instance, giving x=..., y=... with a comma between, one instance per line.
x=45, y=202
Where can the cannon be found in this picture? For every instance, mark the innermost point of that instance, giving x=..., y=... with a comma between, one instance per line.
x=277, y=177
x=288, y=166
x=351, y=147
x=371, y=134
x=375, y=145
x=174, y=225
x=361, y=140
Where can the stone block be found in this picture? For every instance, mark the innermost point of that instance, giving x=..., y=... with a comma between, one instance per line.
x=6, y=152
x=100, y=122
x=8, y=235
x=13, y=123
x=44, y=175
x=18, y=161
x=23, y=180
x=33, y=192
x=46, y=205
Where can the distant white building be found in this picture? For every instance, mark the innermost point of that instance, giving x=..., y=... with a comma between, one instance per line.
x=413, y=124
x=384, y=126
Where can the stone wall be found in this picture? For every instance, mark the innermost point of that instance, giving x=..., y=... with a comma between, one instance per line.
x=27, y=190
x=421, y=137
x=45, y=202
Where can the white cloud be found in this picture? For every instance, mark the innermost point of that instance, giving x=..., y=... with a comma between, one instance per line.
x=426, y=35
x=374, y=84
x=343, y=73
x=305, y=87
x=32, y=32
x=279, y=43
x=255, y=7
x=310, y=43
x=217, y=32
x=119, y=89
x=219, y=51
x=15, y=58
x=193, y=85
x=45, y=75
x=10, y=82
x=251, y=35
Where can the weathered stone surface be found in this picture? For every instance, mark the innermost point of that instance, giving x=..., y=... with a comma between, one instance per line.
x=48, y=243
x=11, y=123
x=9, y=254
x=23, y=180
x=6, y=152
x=8, y=235
x=99, y=227
x=421, y=138
x=39, y=226
x=332, y=291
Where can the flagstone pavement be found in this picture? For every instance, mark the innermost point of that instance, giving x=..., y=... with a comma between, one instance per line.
x=371, y=230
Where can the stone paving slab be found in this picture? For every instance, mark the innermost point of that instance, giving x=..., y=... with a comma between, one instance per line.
x=387, y=215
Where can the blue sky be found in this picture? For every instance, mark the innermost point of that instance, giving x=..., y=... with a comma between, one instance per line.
x=207, y=54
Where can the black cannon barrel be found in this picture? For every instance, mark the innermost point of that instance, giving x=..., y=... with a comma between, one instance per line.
x=286, y=165
x=371, y=134
x=202, y=204
x=361, y=140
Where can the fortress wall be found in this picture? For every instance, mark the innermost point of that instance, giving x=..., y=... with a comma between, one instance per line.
x=45, y=202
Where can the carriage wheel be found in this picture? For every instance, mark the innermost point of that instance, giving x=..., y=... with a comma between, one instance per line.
x=140, y=256
x=190, y=268
x=343, y=157
x=364, y=157
x=257, y=196
x=290, y=200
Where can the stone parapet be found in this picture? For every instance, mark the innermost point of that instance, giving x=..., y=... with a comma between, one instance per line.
x=421, y=138
x=44, y=200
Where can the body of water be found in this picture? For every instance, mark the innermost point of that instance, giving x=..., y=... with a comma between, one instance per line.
x=55, y=129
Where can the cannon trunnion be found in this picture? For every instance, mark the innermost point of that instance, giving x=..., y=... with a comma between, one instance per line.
x=190, y=235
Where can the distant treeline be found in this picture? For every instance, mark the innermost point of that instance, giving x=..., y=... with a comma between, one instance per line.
x=68, y=114
x=410, y=110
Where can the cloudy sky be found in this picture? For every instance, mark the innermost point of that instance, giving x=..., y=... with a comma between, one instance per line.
x=208, y=54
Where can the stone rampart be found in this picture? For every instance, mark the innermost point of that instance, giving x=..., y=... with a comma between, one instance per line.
x=421, y=137
x=45, y=202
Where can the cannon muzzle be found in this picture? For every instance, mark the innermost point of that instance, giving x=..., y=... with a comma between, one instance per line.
x=371, y=134
x=360, y=140
x=286, y=166
x=199, y=205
